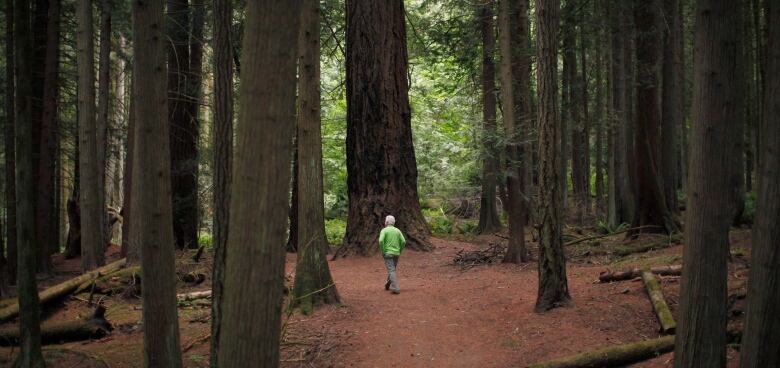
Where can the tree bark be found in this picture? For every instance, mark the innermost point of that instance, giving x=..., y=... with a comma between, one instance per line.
x=656, y=295
x=255, y=263
x=102, y=122
x=129, y=247
x=292, y=236
x=651, y=213
x=223, y=159
x=614, y=356
x=553, y=286
x=701, y=334
x=10, y=143
x=151, y=214
x=29, y=321
x=516, y=252
x=381, y=164
x=523, y=54
x=672, y=99
x=313, y=282
x=489, y=222
x=762, y=330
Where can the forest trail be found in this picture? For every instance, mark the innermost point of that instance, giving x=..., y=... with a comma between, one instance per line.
x=482, y=317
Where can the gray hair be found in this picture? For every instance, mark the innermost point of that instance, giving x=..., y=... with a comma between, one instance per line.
x=389, y=220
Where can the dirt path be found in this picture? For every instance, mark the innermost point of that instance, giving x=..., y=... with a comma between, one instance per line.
x=483, y=317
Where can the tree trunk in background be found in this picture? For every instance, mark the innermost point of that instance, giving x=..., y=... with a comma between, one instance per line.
x=129, y=247
x=255, y=263
x=553, y=287
x=737, y=180
x=701, y=333
x=578, y=102
x=312, y=273
x=584, y=132
x=10, y=143
x=515, y=252
x=651, y=210
x=223, y=159
x=489, y=222
x=762, y=327
x=47, y=228
x=151, y=213
x=104, y=81
x=195, y=99
x=672, y=100
x=29, y=309
x=522, y=53
x=73, y=242
x=292, y=236
x=92, y=244
x=601, y=49
x=40, y=23
x=570, y=113
x=381, y=165
x=183, y=127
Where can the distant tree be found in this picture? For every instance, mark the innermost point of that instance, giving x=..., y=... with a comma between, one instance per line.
x=701, y=335
x=151, y=208
x=102, y=122
x=92, y=244
x=10, y=142
x=672, y=100
x=255, y=260
x=381, y=164
x=570, y=108
x=553, y=286
x=29, y=309
x=523, y=54
x=762, y=327
x=489, y=222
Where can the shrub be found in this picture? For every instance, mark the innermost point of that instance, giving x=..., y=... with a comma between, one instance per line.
x=438, y=221
x=334, y=231
x=206, y=240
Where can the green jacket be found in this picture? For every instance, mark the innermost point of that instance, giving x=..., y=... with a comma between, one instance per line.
x=391, y=241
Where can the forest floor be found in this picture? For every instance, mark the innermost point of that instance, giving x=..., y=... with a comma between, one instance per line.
x=445, y=316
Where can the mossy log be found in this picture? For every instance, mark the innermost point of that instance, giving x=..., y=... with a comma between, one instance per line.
x=674, y=270
x=58, y=332
x=193, y=296
x=62, y=289
x=614, y=356
x=656, y=294
x=104, y=280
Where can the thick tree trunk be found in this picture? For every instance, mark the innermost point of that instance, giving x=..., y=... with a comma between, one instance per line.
x=381, y=164
x=223, y=159
x=651, y=213
x=313, y=282
x=151, y=214
x=101, y=124
x=553, y=286
x=129, y=248
x=523, y=54
x=672, y=100
x=762, y=327
x=29, y=319
x=183, y=131
x=194, y=102
x=255, y=263
x=10, y=143
x=516, y=252
x=701, y=334
x=600, y=117
x=489, y=222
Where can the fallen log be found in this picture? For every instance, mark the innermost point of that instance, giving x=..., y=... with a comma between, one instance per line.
x=614, y=356
x=62, y=289
x=100, y=281
x=54, y=333
x=607, y=276
x=193, y=296
x=665, y=318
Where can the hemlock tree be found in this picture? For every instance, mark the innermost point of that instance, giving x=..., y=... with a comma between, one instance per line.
x=489, y=222
x=381, y=165
x=553, y=286
x=762, y=327
x=223, y=151
x=251, y=319
x=151, y=209
x=701, y=335
x=92, y=244
x=313, y=282
x=29, y=310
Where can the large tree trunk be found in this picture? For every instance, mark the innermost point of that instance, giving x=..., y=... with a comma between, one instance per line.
x=195, y=98
x=10, y=143
x=672, y=100
x=223, y=160
x=183, y=132
x=313, y=282
x=651, y=213
x=553, y=287
x=47, y=228
x=762, y=327
x=29, y=318
x=129, y=248
x=489, y=222
x=255, y=263
x=701, y=334
x=516, y=252
x=101, y=131
x=523, y=53
x=92, y=245
x=569, y=118
x=600, y=117
x=151, y=210
x=381, y=165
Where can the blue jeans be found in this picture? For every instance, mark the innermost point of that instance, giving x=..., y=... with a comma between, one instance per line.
x=391, y=262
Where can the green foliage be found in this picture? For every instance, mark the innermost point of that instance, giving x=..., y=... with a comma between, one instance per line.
x=438, y=221
x=468, y=226
x=206, y=240
x=749, y=214
x=334, y=231
x=603, y=227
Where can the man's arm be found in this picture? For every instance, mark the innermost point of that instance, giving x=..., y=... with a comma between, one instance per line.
x=382, y=240
x=403, y=241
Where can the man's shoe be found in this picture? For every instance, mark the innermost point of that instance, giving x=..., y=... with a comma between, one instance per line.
x=387, y=285
x=396, y=291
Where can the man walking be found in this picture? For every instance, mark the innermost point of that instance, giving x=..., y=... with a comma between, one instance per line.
x=392, y=243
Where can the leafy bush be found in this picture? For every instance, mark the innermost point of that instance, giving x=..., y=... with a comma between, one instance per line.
x=466, y=226
x=749, y=213
x=206, y=240
x=334, y=231
x=603, y=227
x=438, y=221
